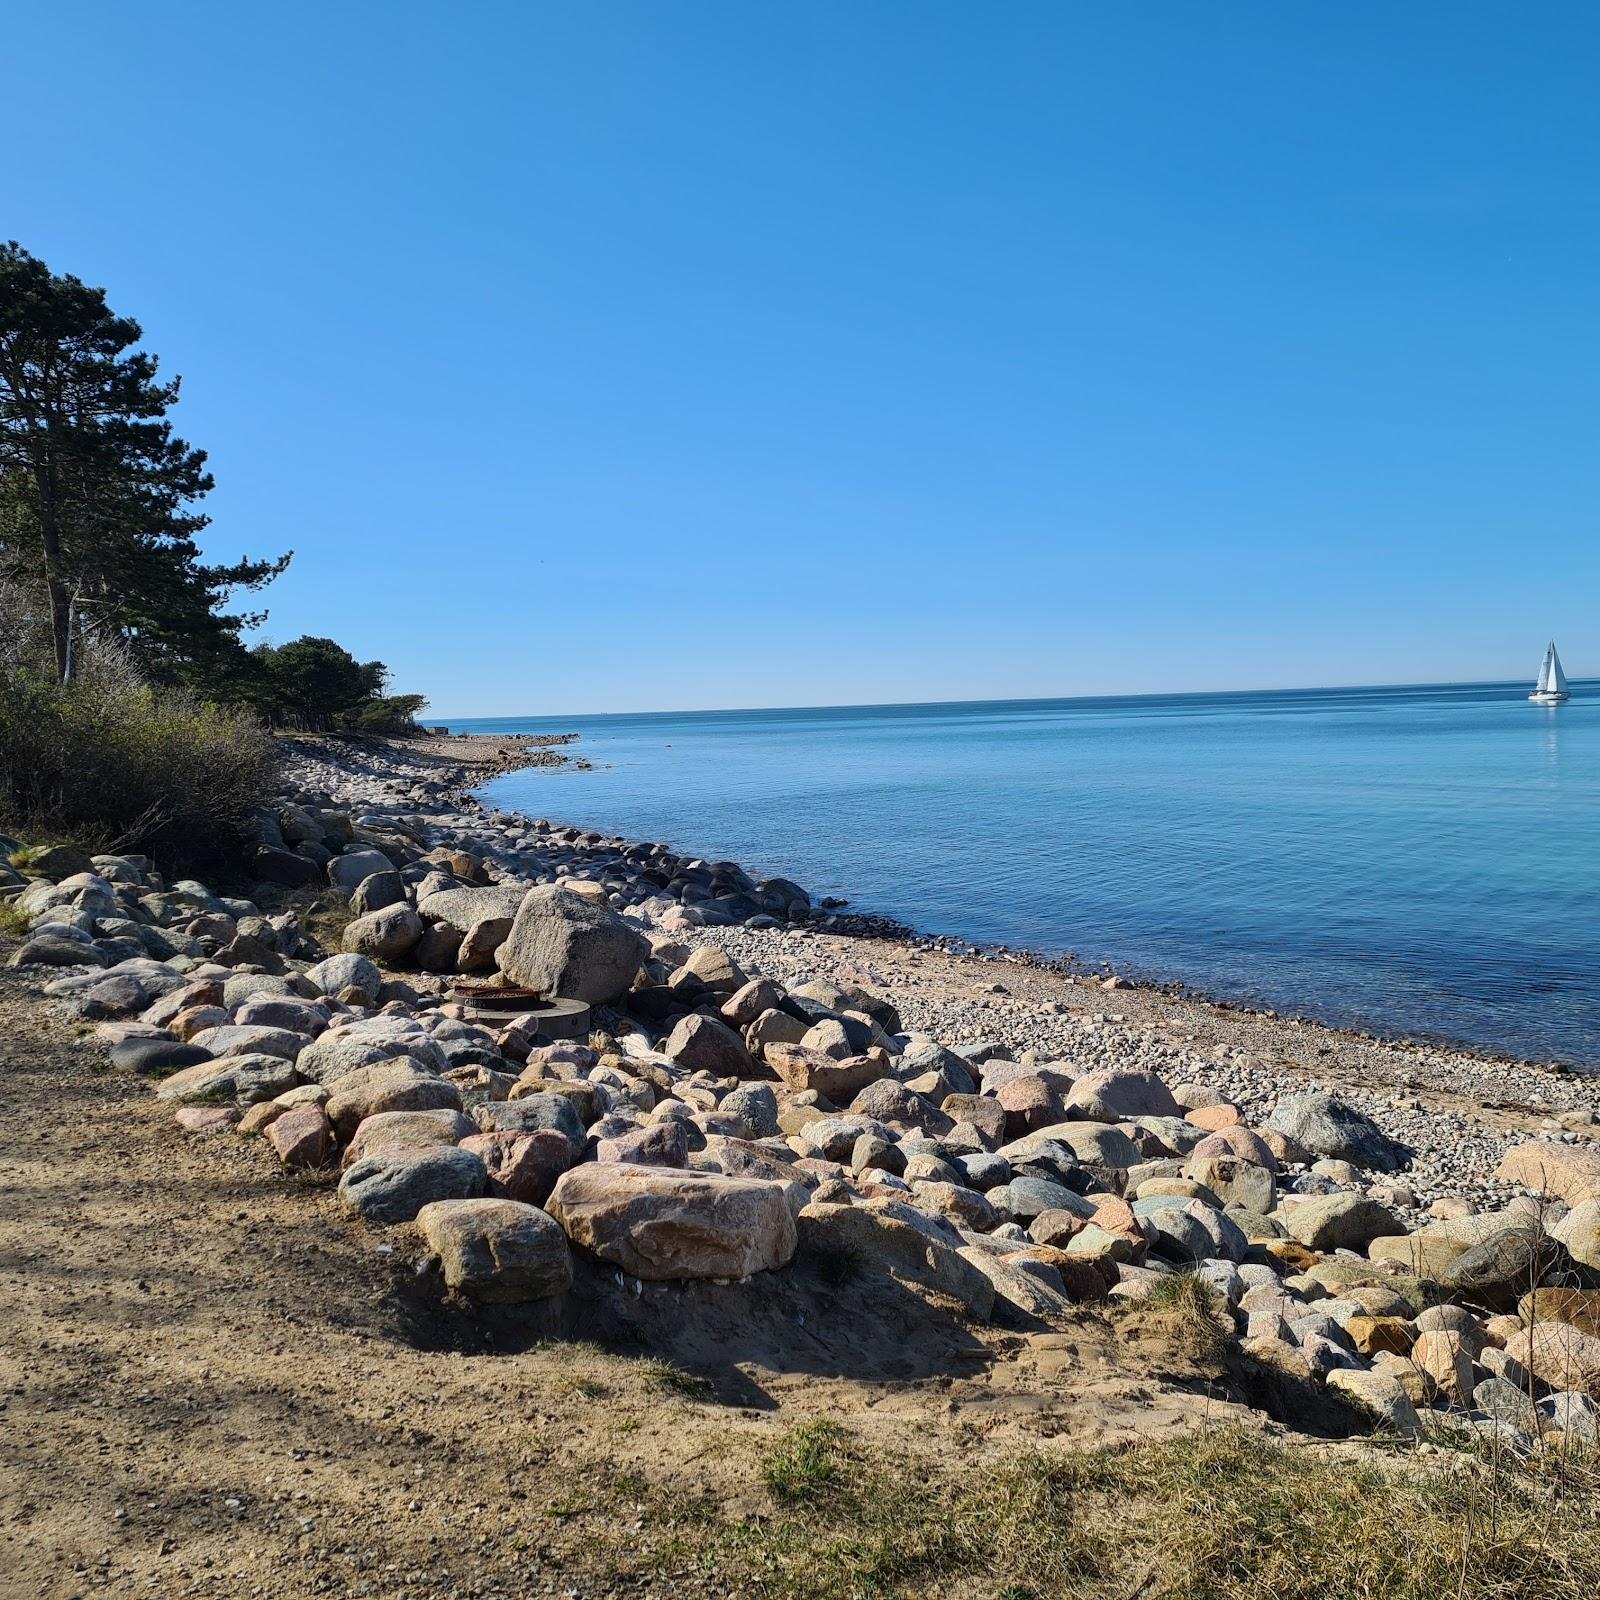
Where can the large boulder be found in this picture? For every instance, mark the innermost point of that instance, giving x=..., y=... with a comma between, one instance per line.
x=1339, y=1222
x=701, y=1043
x=385, y=1131
x=389, y=934
x=1330, y=1127
x=462, y=909
x=397, y=1085
x=346, y=872
x=1559, y=1354
x=657, y=1223
x=497, y=1251
x=395, y=1186
x=566, y=946
x=351, y=971
x=838, y=1081
x=892, y=1238
x=1497, y=1272
x=523, y=1165
x=1120, y=1093
x=1569, y=1172
x=244, y=1078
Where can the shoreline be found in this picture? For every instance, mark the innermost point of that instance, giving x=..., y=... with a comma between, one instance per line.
x=875, y=925
x=1461, y=1109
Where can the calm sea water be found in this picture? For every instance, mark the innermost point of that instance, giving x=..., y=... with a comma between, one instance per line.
x=1420, y=861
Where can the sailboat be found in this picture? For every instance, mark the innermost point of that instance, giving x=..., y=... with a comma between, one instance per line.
x=1551, y=688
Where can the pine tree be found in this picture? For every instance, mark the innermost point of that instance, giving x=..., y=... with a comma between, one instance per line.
x=97, y=493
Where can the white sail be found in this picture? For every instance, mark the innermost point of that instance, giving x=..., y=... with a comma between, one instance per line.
x=1558, y=679
x=1543, y=685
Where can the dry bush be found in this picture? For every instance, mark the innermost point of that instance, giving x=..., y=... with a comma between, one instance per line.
x=112, y=763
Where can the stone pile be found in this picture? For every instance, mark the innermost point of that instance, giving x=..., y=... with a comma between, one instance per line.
x=718, y=1123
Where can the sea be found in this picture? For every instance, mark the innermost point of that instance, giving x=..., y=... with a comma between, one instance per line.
x=1420, y=862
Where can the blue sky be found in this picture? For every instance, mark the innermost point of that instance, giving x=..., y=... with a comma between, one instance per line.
x=627, y=356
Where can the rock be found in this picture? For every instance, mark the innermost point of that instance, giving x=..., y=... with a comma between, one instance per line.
x=1579, y=1232
x=500, y=1252
x=386, y=935
x=522, y=1165
x=245, y=1078
x=302, y=1136
x=462, y=909
x=563, y=945
x=538, y=1110
x=1023, y=1298
x=50, y=951
x=838, y=1081
x=756, y=1106
x=1239, y=1142
x=482, y=942
x=662, y=1144
x=1330, y=1127
x=375, y=893
x=346, y=872
x=715, y=969
x=395, y=1186
x=1560, y=1355
x=1119, y=1093
x=385, y=1131
x=1570, y=1172
x=232, y=1040
x=1338, y=1222
x=438, y=949
x=894, y=1239
x=1370, y=1335
x=1503, y=1268
x=60, y=861
x=702, y=1044
x=155, y=1058
x=747, y=1003
x=1093, y=1144
x=1498, y=1397
x=1580, y=1307
x=395, y=1085
x=271, y=864
x=208, y=1121
x=1381, y=1397
x=1446, y=1359
x=658, y=1224
x=353, y=971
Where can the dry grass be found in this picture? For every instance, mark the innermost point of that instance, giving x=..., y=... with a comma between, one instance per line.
x=1226, y=1514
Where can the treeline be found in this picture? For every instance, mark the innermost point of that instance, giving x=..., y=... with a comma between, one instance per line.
x=133, y=714
x=100, y=527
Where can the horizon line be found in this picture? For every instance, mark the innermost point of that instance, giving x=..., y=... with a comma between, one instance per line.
x=1003, y=700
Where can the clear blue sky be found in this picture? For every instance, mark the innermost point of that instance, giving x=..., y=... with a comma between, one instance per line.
x=621, y=356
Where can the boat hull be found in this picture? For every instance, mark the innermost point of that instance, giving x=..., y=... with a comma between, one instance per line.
x=1548, y=699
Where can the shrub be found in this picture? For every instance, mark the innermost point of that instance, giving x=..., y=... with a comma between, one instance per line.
x=113, y=764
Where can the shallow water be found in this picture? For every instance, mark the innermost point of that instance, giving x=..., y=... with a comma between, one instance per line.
x=1413, y=860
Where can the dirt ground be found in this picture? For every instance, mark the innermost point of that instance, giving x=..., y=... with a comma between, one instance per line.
x=212, y=1382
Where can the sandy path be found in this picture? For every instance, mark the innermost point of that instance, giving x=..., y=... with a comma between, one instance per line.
x=213, y=1383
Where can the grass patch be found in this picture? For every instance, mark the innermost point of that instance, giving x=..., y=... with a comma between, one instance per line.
x=13, y=923
x=1193, y=1310
x=665, y=1378
x=809, y=1467
x=1227, y=1514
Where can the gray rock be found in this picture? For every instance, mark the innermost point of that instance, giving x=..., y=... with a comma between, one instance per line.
x=395, y=1186
x=380, y=890
x=499, y=1252
x=1330, y=1127
x=347, y=871
x=350, y=971
x=563, y=945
